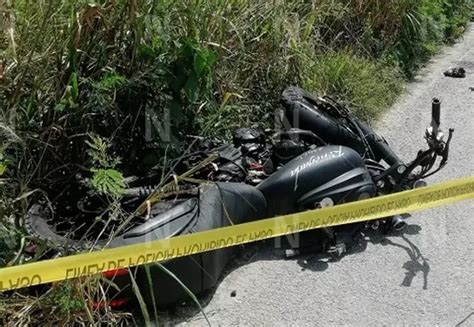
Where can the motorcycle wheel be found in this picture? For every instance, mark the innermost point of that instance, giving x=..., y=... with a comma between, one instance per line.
x=309, y=112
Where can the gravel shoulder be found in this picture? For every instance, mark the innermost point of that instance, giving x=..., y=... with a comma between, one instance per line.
x=423, y=277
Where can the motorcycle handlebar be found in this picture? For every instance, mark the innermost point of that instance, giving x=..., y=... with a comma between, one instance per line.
x=435, y=112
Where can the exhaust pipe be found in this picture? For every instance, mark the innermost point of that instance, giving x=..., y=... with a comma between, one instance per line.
x=398, y=223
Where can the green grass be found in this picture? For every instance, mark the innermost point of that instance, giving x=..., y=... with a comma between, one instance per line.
x=366, y=85
x=72, y=69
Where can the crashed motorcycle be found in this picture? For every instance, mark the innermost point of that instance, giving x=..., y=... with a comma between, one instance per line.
x=323, y=156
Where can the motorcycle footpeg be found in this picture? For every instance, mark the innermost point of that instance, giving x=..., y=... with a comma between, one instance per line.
x=419, y=183
x=291, y=253
x=398, y=223
x=337, y=251
x=301, y=251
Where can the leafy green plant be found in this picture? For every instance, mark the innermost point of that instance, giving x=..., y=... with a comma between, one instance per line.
x=9, y=242
x=67, y=299
x=99, y=152
x=3, y=165
x=191, y=71
x=106, y=179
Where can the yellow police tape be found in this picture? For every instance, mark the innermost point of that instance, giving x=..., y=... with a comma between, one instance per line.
x=138, y=254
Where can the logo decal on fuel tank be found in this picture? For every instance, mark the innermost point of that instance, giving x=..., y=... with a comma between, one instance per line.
x=313, y=160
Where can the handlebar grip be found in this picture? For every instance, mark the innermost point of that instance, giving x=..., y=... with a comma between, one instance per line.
x=435, y=112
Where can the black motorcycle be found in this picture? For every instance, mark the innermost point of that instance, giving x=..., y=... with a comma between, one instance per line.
x=324, y=157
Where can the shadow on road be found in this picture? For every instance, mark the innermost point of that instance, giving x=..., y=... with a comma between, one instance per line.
x=416, y=264
x=315, y=261
x=461, y=323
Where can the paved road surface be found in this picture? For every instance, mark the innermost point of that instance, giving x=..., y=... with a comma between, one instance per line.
x=424, y=277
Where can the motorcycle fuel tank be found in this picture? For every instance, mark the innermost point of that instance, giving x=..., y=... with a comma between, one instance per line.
x=323, y=176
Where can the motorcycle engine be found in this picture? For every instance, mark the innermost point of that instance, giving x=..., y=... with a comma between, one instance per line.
x=252, y=157
x=291, y=143
x=255, y=153
x=251, y=141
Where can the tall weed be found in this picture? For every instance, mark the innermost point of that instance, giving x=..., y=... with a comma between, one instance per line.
x=71, y=69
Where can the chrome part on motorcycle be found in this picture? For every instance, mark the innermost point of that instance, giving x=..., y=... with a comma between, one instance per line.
x=337, y=250
x=291, y=253
x=398, y=223
x=401, y=169
x=364, y=196
x=419, y=183
x=326, y=202
x=374, y=225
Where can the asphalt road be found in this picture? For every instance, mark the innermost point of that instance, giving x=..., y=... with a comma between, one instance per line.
x=423, y=277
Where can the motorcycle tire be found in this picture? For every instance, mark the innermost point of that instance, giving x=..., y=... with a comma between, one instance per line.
x=305, y=111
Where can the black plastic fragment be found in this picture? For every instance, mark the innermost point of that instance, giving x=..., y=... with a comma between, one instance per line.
x=455, y=72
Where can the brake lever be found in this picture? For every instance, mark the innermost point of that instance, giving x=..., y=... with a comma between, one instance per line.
x=445, y=152
x=425, y=159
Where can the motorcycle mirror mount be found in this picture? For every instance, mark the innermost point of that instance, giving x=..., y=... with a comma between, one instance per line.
x=435, y=112
x=434, y=135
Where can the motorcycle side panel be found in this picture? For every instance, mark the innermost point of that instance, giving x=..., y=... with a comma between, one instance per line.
x=334, y=172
